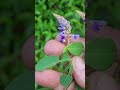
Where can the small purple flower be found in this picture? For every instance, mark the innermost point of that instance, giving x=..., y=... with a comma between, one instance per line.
x=61, y=28
x=62, y=35
x=75, y=36
x=96, y=27
x=63, y=23
x=62, y=40
x=97, y=24
x=65, y=29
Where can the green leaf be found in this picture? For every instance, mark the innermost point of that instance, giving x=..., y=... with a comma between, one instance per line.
x=65, y=56
x=65, y=80
x=100, y=53
x=76, y=48
x=47, y=62
x=69, y=68
x=64, y=59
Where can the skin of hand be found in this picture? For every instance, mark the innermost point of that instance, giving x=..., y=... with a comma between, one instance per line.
x=29, y=60
x=102, y=81
x=51, y=78
x=27, y=53
x=28, y=47
x=107, y=32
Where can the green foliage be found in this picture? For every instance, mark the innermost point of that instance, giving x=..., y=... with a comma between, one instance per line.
x=69, y=69
x=16, y=26
x=50, y=61
x=65, y=80
x=76, y=48
x=65, y=56
x=108, y=11
x=46, y=63
x=101, y=53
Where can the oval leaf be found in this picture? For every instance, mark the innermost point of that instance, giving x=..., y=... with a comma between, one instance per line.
x=65, y=80
x=65, y=56
x=76, y=48
x=69, y=69
x=100, y=53
x=46, y=62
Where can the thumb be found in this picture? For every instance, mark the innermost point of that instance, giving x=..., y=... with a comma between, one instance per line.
x=79, y=71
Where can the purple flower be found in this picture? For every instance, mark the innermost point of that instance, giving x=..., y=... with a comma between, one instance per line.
x=62, y=35
x=64, y=24
x=96, y=27
x=65, y=29
x=61, y=28
x=97, y=24
x=62, y=40
x=75, y=36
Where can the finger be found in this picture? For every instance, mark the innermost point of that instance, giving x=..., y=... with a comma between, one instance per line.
x=27, y=53
x=53, y=47
x=106, y=32
x=48, y=78
x=79, y=71
x=71, y=87
x=102, y=81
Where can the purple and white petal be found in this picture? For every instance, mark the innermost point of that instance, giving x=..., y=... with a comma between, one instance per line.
x=63, y=22
x=75, y=36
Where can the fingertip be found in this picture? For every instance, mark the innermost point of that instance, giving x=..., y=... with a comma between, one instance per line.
x=54, y=47
x=47, y=78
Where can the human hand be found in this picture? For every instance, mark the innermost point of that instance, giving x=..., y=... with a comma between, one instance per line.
x=107, y=32
x=51, y=78
x=102, y=81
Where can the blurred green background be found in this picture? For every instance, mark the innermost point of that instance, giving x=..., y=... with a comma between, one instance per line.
x=16, y=26
x=108, y=10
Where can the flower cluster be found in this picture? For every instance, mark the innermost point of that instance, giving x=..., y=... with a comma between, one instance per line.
x=65, y=29
x=97, y=24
